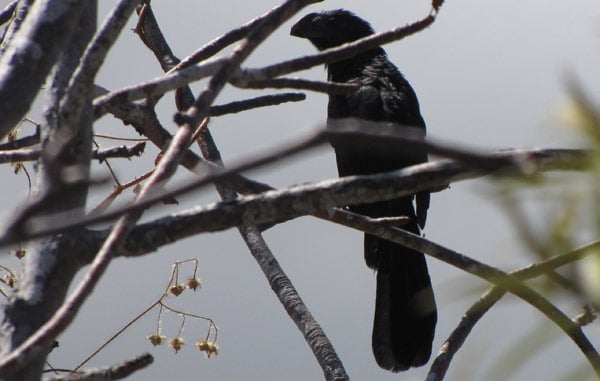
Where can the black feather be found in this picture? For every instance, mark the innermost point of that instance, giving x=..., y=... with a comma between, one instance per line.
x=405, y=312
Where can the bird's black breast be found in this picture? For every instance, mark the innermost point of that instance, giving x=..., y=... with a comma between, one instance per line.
x=383, y=96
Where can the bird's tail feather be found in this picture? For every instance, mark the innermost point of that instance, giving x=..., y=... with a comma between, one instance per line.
x=405, y=312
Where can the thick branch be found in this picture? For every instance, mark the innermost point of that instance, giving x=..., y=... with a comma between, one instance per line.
x=313, y=198
x=7, y=12
x=50, y=269
x=280, y=205
x=31, y=54
x=75, y=123
x=82, y=81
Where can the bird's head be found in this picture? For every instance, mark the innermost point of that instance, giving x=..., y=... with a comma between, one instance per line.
x=331, y=28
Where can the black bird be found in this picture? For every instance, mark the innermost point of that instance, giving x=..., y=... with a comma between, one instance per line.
x=405, y=312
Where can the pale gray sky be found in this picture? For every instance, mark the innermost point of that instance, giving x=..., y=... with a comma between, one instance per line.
x=488, y=74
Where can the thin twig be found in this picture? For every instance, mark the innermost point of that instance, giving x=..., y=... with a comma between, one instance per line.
x=261, y=101
x=119, y=188
x=115, y=335
x=119, y=138
x=30, y=154
x=298, y=83
x=119, y=152
x=26, y=141
x=335, y=54
x=219, y=43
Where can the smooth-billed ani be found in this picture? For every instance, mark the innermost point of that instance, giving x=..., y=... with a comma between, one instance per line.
x=405, y=312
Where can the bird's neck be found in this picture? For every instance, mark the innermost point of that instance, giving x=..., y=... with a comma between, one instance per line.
x=353, y=67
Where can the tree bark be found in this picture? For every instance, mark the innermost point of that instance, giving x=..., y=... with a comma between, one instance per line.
x=51, y=263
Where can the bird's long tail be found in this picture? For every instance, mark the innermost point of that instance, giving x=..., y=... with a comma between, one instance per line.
x=405, y=312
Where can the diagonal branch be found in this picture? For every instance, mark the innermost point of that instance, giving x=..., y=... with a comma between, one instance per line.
x=458, y=336
x=252, y=77
x=495, y=276
x=219, y=43
x=335, y=54
x=280, y=283
x=294, y=305
x=158, y=86
x=112, y=373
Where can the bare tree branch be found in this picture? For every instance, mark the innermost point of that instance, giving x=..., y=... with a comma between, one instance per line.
x=253, y=77
x=297, y=83
x=119, y=152
x=25, y=154
x=24, y=59
x=497, y=277
x=335, y=54
x=249, y=104
x=280, y=283
x=31, y=154
x=165, y=169
x=26, y=141
x=354, y=189
x=50, y=268
x=7, y=12
x=28, y=350
x=82, y=80
x=454, y=342
x=156, y=87
x=113, y=373
x=294, y=305
x=219, y=43
x=284, y=204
